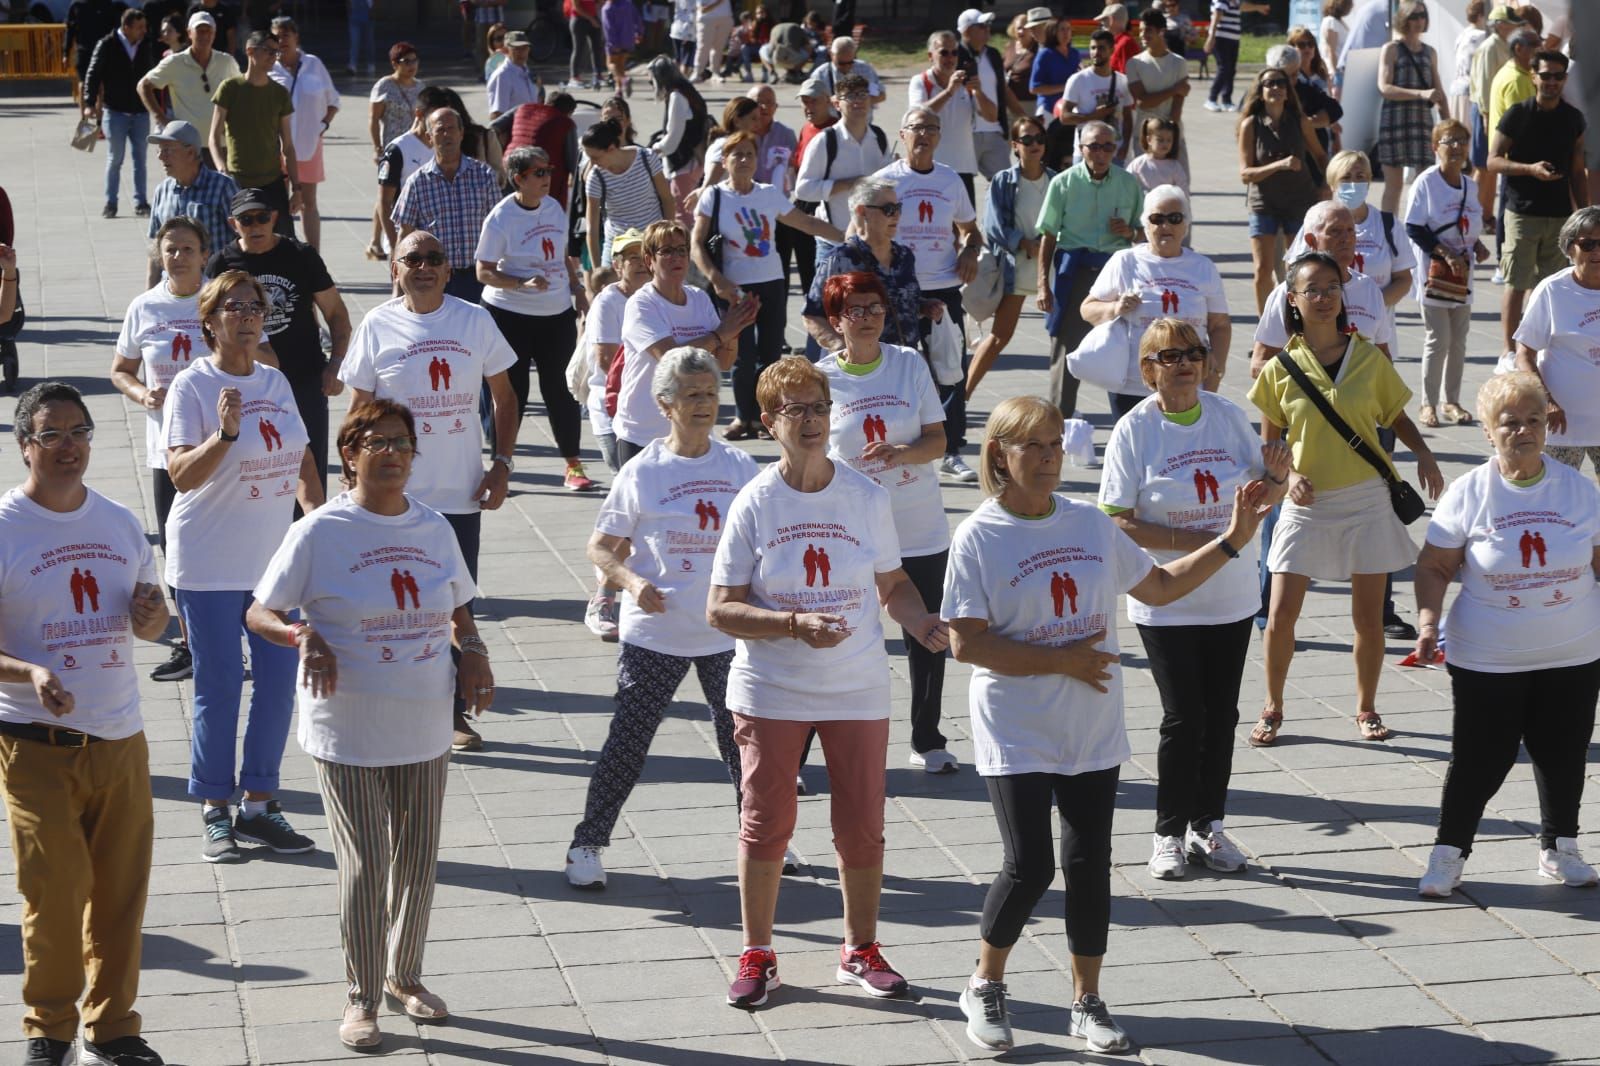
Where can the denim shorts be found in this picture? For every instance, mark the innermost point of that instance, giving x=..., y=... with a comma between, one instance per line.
x=1265, y=225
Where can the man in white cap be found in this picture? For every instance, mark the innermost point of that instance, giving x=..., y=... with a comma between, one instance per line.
x=191, y=189
x=984, y=63
x=511, y=86
x=190, y=78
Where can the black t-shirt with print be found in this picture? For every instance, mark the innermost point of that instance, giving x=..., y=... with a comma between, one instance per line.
x=292, y=273
x=1537, y=136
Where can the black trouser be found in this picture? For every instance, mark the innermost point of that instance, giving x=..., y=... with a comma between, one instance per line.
x=802, y=245
x=760, y=345
x=1226, y=49
x=1197, y=670
x=1551, y=712
x=626, y=450
x=312, y=404
x=468, y=529
x=952, y=397
x=926, y=667
x=544, y=343
x=1022, y=807
x=165, y=493
x=464, y=285
x=1068, y=335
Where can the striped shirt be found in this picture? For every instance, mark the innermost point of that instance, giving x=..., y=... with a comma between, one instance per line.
x=629, y=199
x=452, y=211
x=207, y=201
x=1226, y=12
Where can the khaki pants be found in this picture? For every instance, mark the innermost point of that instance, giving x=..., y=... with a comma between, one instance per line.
x=81, y=826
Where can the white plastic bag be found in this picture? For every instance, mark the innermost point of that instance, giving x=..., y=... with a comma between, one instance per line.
x=944, y=351
x=980, y=297
x=578, y=369
x=1102, y=357
x=1077, y=441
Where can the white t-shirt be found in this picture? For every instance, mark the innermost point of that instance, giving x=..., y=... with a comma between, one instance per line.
x=1528, y=599
x=892, y=403
x=221, y=534
x=673, y=509
x=749, y=227
x=66, y=583
x=380, y=589
x=161, y=330
x=1183, y=477
x=1439, y=207
x=931, y=205
x=649, y=319
x=525, y=242
x=1051, y=581
x=1187, y=286
x=957, y=148
x=602, y=327
x=811, y=552
x=435, y=364
x=1363, y=305
x=1562, y=323
x=989, y=85
x=414, y=152
x=1088, y=92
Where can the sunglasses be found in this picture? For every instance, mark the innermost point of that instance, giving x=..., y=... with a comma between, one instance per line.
x=1099, y=146
x=416, y=259
x=1028, y=140
x=1171, y=218
x=412, y=58
x=1552, y=75
x=254, y=218
x=946, y=52
x=540, y=172
x=1275, y=83
x=889, y=210
x=242, y=308
x=1174, y=356
x=1587, y=244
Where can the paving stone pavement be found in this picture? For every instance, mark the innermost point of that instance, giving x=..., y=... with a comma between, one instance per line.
x=1320, y=952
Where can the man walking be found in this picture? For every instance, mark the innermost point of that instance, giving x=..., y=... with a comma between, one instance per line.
x=450, y=196
x=251, y=139
x=190, y=77
x=511, y=86
x=111, y=97
x=191, y=189
x=980, y=60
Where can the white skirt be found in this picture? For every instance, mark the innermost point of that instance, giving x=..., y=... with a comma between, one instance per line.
x=1347, y=531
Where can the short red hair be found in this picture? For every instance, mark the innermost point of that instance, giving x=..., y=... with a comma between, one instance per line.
x=839, y=288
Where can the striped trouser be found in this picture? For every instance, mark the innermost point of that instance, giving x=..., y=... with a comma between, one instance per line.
x=385, y=826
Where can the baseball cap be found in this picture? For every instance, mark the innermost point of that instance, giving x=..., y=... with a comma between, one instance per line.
x=1112, y=11
x=813, y=90
x=1506, y=13
x=250, y=200
x=1038, y=16
x=625, y=240
x=176, y=132
x=201, y=18
x=971, y=17
x=516, y=39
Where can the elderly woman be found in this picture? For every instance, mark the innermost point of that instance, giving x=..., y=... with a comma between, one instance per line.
x=393, y=110
x=746, y=214
x=1413, y=100
x=1524, y=668
x=1275, y=140
x=156, y=342
x=663, y=517
x=1338, y=523
x=369, y=710
x=1030, y=598
x=871, y=248
x=624, y=186
x=1559, y=334
x=528, y=290
x=889, y=425
x=1011, y=228
x=808, y=554
x=237, y=455
x=315, y=101
x=1162, y=279
x=1444, y=221
x=1170, y=470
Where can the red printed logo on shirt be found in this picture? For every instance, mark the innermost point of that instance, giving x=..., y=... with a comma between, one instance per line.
x=817, y=565
x=1169, y=302
x=548, y=247
x=1205, y=480
x=68, y=663
x=875, y=428
x=706, y=511
x=181, y=347
x=1063, y=592
x=1531, y=544
x=439, y=374
x=270, y=434
x=402, y=584
x=924, y=211
x=85, y=589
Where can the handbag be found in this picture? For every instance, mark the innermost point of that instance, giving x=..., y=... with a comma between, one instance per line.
x=1444, y=283
x=980, y=297
x=1408, y=503
x=1101, y=358
x=85, y=134
x=715, y=241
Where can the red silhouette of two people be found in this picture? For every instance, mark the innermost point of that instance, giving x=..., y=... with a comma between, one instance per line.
x=817, y=564
x=438, y=373
x=706, y=511
x=875, y=428
x=1063, y=588
x=181, y=347
x=1531, y=544
x=84, y=585
x=270, y=435
x=1205, y=480
x=924, y=211
x=1360, y=263
x=1169, y=302
x=548, y=247
x=402, y=584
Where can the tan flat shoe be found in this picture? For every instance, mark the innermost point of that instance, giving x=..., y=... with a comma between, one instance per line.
x=1455, y=413
x=419, y=1004
x=1427, y=417
x=359, y=1030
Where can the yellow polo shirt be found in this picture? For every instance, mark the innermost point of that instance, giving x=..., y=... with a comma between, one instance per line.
x=1512, y=85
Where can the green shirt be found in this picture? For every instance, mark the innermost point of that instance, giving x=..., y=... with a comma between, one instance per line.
x=1078, y=209
x=255, y=122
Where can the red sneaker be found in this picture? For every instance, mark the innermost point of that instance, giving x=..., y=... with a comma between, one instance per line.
x=758, y=975
x=868, y=968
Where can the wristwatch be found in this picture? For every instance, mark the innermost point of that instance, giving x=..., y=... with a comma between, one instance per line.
x=225, y=435
x=506, y=459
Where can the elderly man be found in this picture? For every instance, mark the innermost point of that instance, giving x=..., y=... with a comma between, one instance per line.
x=955, y=98
x=980, y=60
x=843, y=63
x=789, y=51
x=111, y=97
x=437, y=355
x=1513, y=82
x=298, y=286
x=1091, y=209
x=450, y=196
x=191, y=189
x=511, y=86
x=251, y=138
x=1126, y=46
x=74, y=766
x=842, y=154
x=944, y=239
x=190, y=77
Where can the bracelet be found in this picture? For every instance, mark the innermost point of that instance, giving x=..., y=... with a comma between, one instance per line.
x=1428, y=625
x=1227, y=549
x=474, y=645
x=1274, y=480
x=794, y=633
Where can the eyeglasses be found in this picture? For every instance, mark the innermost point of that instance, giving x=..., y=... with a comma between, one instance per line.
x=50, y=439
x=1174, y=356
x=254, y=218
x=676, y=251
x=922, y=127
x=377, y=444
x=1098, y=146
x=243, y=308
x=857, y=97
x=1551, y=75
x=889, y=210
x=1331, y=292
x=1028, y=140
x=1453, y=142
x=410, y=58
x=798, y=411
x=1035, y=447
x=862, y=312
x=416, y=259
x=1171, y=218
x=1587, y=244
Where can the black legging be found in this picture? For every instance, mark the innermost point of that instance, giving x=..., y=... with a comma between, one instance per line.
x=803, y=247
x=1022, y=806
x=926, y=667
x=545, y=343
x=1551, y=711
x=586, y=33
x=312, y=404
x=1226, y=50
x=760, y=345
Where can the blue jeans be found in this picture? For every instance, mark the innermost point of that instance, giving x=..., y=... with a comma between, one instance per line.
x=214, y=621
x=360, y=37
x=121, y=130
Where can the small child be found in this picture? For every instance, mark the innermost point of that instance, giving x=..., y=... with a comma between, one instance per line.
x=1159, y=164
x=593, y=374
x=623, y=30
x=742, y=47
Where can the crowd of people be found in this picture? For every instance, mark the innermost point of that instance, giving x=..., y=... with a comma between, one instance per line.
x=627, y=275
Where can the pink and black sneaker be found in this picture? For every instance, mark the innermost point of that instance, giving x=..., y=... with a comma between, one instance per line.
x=758, y=975
x=868, y=968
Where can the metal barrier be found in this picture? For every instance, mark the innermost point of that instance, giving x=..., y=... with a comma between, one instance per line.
x=32, y=52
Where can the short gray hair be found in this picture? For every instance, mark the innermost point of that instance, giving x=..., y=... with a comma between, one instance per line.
x=1583, y=220
x=1088, y=129
x=1163, y=193
x=1318, y=215
x=522, y=160
x=842, y=44
x=1525, y=37
x=670, y=368
x=918, y=111
x=1283, y=56
x=867, y=191
x=938, y=36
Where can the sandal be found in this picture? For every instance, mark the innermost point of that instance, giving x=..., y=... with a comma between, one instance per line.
x=737, y=431
x=1265, y=734
x=1371, y=726
x=374, y=251
x=1457, y=414
x=1427, y=417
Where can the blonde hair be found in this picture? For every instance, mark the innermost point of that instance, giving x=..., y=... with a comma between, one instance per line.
x=1166, y=333
x=1503, y=390
x=1011, y=420
x=218, y=287
x=789, y=374
x=1343, y=162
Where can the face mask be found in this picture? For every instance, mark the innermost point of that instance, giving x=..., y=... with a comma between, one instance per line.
x=1352, y=193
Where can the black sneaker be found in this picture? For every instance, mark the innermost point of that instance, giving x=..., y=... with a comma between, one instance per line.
x=42, y=1051
x=220, y=844
x=1398, y=628
x=123, y=1051
x=273, y=830
x=142, y=210
x=178, y=667
x=109, y=211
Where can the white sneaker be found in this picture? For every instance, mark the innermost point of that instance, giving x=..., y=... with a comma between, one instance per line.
x=987, y=1023
x=1565, y=864
x=1214, y=849
x=1166, y=860
x=956, y=469
x=601, y=616
x=584, y=868
x=799, y=785
x=1444, y=872
x=937, y=761
x=1498, y=278
x=1212, y=105
x=791, y=862
x=1092, y=1021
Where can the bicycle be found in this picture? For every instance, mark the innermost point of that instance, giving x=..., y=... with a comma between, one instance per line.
x=548, y=34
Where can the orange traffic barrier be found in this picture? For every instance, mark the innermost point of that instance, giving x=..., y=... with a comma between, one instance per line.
x=32, y=52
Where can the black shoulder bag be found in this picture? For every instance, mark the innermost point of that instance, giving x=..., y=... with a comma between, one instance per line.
x=715, y=240
x=1408, y=503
